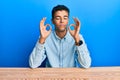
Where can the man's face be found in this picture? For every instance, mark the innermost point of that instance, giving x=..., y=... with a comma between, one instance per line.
x=60, y=20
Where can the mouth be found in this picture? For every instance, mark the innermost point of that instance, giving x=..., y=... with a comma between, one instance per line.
x=62, y=25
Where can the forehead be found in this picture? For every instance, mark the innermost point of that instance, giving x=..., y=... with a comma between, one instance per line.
x=61, y=13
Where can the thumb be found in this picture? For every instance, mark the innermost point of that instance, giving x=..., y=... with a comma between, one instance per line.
x=50, y=28
x=71, y=31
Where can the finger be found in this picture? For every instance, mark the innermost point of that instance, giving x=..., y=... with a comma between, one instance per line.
x=71, y=31
x=42, y=22
x=73, y=25
x=50, y=27
x=70, y=28
x=79, y=24
x=76, y=20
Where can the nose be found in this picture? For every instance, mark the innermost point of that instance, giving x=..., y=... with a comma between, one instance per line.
x=61, y=20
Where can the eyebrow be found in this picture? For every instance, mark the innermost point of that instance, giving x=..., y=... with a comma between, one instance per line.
x=59, y=16
x=65, y=16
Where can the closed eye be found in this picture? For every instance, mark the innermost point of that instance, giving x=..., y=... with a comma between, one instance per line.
x=57, y=18
x=65, y=17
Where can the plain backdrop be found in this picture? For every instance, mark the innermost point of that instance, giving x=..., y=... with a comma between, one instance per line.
x=19, y=28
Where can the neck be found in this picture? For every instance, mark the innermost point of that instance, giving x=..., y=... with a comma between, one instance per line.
x=61, y=34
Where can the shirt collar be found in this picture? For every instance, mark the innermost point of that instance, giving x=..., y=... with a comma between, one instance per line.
x=65, y=38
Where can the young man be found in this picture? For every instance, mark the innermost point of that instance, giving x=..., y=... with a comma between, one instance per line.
x=62, y=47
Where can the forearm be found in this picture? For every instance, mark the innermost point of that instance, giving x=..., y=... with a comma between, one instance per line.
x=37, y=56
x=83, y=56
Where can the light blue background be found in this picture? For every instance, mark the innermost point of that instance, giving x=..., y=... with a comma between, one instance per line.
x=19, y=28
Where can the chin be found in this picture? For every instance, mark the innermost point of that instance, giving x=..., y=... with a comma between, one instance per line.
x=62, y=30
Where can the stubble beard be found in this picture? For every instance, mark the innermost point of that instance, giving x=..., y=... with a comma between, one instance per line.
x=63, y=30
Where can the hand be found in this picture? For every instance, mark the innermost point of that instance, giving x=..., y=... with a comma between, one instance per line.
x=75, y=32
x=44, y=33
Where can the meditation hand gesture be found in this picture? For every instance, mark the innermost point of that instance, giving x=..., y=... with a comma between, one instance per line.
x=44, y=33
x=75, y=32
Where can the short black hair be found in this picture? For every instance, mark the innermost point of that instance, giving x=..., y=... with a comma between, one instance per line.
x=59, y=8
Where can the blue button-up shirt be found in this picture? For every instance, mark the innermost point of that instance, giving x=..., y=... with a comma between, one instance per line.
x=60, y=52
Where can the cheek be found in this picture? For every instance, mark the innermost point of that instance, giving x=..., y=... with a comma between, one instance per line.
x=66, y=22
x=57, y=22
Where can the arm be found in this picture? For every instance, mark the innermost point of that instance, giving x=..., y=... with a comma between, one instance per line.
x=83, y=54
x=38, y=54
